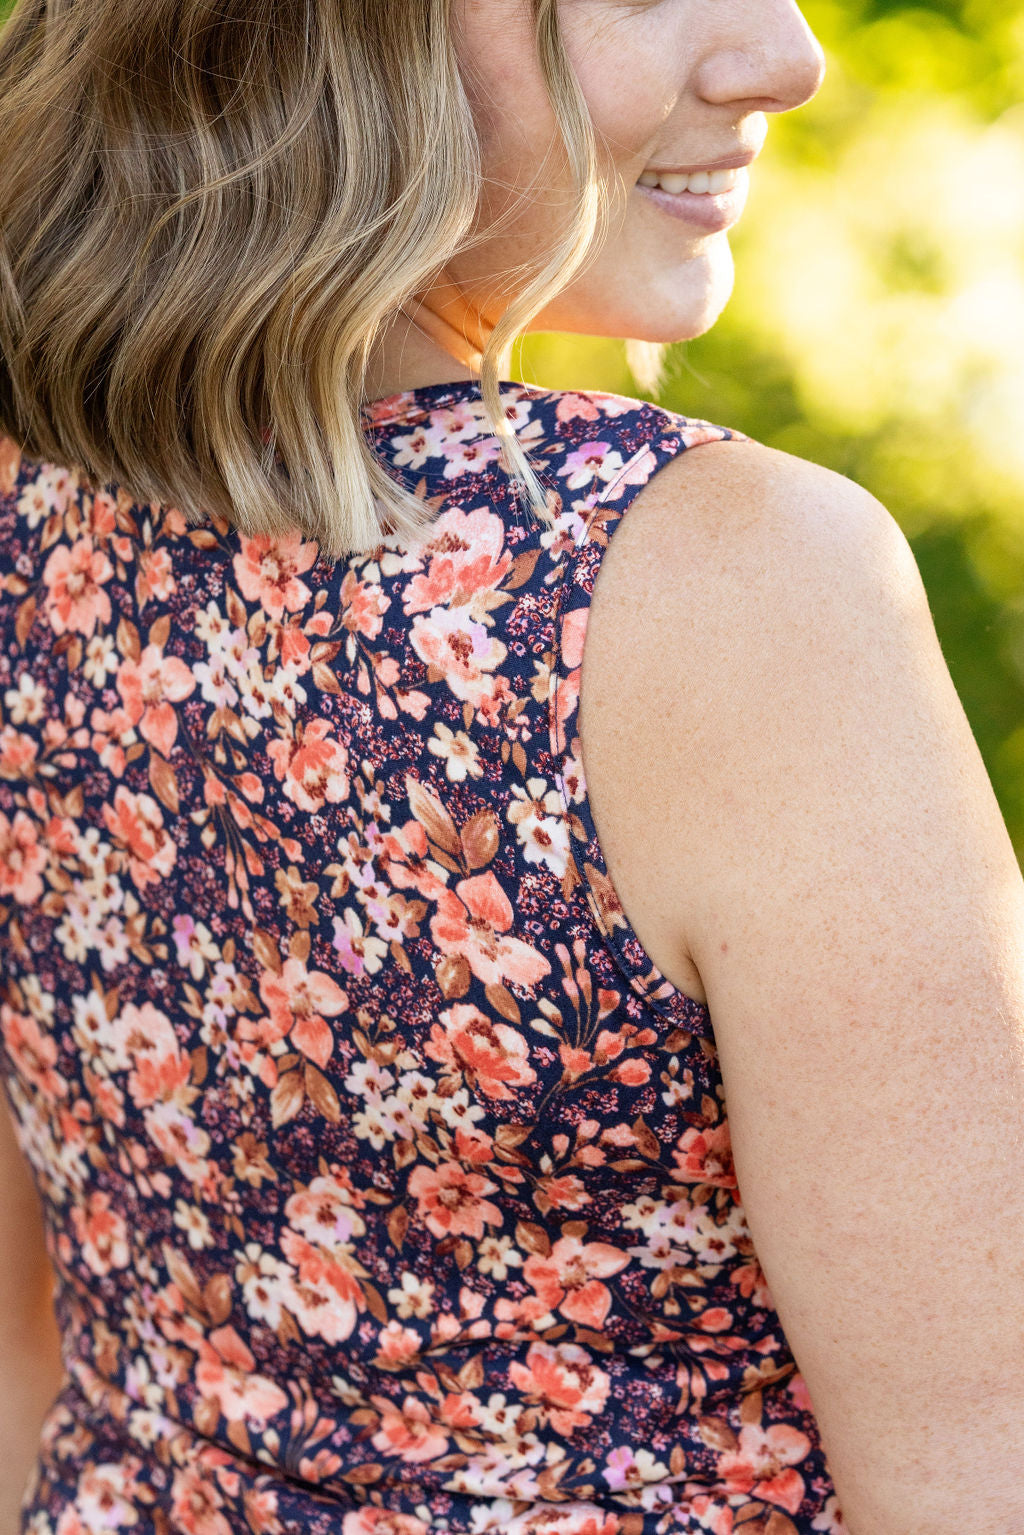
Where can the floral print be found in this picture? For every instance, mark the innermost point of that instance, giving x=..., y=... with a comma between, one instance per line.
x=387, y=1181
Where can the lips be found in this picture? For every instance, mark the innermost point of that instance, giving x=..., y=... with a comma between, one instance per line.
x=709, y=211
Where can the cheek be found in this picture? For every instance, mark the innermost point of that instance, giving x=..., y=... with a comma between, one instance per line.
x=504, y=85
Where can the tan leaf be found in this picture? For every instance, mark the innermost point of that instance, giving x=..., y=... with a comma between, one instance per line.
x=463, y=1253
x=10, y=464
x=646, y=1140
x=298, y=944
x=370, y=1471
x=519, y=757
x=533, y=1237
x=237, y=615
x=325, y=677
x=511, y=1135
x=264, y=946
x=160, y=631
x=322, y=1095
x=480, y=838
x=25, y=619
x=206, y=1415
x=239, y=1436
x=778, y=1524
x=467, y=714
x=502, y=1000
x=375, y=1302
x=522, y=569
x=217, y=1299
x=677, y=1040
x=575, y=1229
x=472, y=1373
x=287, y=1329
x=750, y=1407
x=598, y=1340
x=128, y=639
x=180, y=1270
x=717, y=1434
x=453, y=975
x=432, y=815
x=400, y=957
x=200, y=1065
x=163, y=781
x=398, y=1225
x=287, y=1099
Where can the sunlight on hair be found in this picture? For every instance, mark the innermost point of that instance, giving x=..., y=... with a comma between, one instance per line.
x=204, y=229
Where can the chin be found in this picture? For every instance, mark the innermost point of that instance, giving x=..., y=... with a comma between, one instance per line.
x=678, y=305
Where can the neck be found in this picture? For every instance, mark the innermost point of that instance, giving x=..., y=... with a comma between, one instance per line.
x=452, y=323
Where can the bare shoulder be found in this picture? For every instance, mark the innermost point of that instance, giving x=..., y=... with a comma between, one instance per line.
x=780, y=764
x=723, y=504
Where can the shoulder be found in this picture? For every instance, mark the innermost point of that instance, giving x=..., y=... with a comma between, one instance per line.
x=754, y=504
x=737, y=561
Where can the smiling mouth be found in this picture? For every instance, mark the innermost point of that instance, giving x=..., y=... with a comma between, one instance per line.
x=701, y=182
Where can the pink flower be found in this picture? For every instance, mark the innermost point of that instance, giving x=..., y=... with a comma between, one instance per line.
x=761, y=1465
x=149, y=687
x=33, y=1052
x=102, y=1234
x=705, y=1156
x=298, y=1000
x=450, y=1199
x=461, y=648
x=471, y=921
x=22, y=858
x=465, y=555
x=409, y=1431
x=363, y=606
x=75, y=597
x=489, y=1054
x=268, y=568
x=564, y=1382
x=226, y=1372
x=381, y=1521
x=569, y=1280
x=312, y=766
x=136, y=821
x=589, y=462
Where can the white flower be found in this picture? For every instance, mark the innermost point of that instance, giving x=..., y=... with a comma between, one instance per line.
x=25, y=703
x=495, y=1254
x=194, y=1224
x=459, y=753
x=415, y=1297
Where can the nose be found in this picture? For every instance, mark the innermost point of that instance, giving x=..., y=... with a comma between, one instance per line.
x=768, y=59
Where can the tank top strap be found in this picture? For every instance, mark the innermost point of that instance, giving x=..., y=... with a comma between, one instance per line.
x=636, y=440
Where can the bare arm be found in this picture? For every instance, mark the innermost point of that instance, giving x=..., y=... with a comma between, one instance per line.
x=847, y=889
x=29, y=1347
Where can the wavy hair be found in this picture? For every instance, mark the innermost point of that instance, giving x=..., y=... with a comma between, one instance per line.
x=208, y=215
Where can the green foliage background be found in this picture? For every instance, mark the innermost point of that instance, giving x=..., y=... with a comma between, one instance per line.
x=877, y=324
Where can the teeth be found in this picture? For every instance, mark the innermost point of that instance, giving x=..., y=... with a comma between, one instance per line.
x=700, y=181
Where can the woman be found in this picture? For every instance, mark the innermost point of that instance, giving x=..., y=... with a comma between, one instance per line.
x=360, y=1046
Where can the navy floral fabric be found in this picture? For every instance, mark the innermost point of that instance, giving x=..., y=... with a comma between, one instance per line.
x=387, y=1182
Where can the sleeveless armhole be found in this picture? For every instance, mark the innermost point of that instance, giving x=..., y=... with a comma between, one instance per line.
x=603, y=512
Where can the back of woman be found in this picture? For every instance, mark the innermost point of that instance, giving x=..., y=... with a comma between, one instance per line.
x=386, y=1174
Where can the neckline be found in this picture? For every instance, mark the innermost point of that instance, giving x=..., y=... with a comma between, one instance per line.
x=397, y=406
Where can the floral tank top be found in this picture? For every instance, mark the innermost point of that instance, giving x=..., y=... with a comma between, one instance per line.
x=387, y=1182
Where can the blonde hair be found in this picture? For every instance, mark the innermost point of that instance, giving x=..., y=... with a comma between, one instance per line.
x=206, y=224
